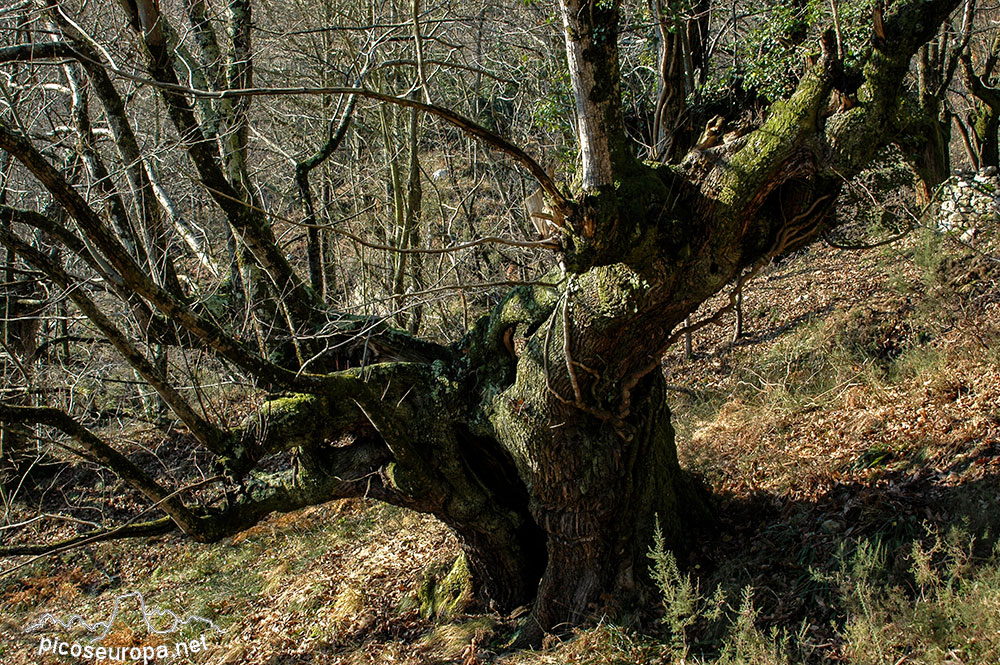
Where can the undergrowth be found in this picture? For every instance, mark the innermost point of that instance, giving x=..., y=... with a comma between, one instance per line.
x=828, y=444
x=943, y=608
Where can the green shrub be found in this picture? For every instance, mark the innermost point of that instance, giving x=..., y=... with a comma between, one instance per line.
x=947, y=611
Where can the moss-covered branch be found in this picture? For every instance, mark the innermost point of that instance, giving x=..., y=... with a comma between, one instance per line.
x=156, y=527
x=854, y=136
x=319, y=474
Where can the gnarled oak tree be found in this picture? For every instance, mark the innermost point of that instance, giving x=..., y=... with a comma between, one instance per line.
x=542, y=436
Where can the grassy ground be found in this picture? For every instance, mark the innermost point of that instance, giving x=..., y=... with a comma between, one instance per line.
x=852, y=438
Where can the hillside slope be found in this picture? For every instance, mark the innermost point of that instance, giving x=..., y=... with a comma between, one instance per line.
x=862, y=405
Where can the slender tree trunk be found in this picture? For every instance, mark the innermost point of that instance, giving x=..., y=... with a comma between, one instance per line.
x=681, y=61
x=738, y=323
x=591, y=31
x=987, y=128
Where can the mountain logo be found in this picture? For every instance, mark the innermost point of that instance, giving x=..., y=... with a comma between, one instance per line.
x=158, y=622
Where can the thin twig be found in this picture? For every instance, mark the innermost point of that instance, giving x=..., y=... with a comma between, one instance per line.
x=144, y=529
x=465, y=124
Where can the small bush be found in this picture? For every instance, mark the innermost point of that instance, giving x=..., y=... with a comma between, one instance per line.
x=683, y=603
x=943, y=607
x=949, y=612
x=693, y=618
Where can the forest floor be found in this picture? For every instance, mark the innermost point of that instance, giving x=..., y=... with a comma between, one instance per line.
x=851, y=438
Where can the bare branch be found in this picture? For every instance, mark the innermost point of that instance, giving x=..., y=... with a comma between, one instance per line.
x=108, y=456
x=204, y=431
x=449, y=116
x=94, y=228
x=156, y=527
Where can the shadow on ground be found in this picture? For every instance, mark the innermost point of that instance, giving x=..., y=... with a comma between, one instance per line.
x=784, y=548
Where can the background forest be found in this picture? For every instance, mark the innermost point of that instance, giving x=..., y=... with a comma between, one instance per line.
x=223, y=221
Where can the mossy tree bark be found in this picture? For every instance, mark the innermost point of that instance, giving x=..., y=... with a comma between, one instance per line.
x=984, y=119
x=542, y=437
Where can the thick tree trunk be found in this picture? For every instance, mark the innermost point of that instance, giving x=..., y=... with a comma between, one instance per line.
x=931, y=162
x=586, y=496
x=597, y=504
x=587, y=426
x=568, y=406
